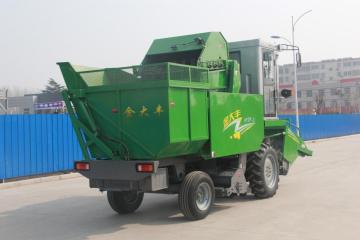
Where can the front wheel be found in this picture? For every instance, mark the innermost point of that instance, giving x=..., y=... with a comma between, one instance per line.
x=125, y=202
x=263, y=172
x=196, y=195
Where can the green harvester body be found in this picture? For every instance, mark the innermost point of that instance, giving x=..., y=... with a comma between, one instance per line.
x=183, y=100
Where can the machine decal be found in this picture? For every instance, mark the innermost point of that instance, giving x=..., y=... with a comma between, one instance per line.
x=241, y=124
x=144, y=111
x=129, y=112
x=158, y=110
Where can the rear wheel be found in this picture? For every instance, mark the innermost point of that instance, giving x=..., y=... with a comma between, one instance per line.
x=263, y=172
x=125, y=202
x=196, y=195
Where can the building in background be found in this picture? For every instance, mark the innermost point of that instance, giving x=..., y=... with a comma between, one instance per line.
x=328, y=86
x=48, y=103
x=21, y=105
x=40, y=103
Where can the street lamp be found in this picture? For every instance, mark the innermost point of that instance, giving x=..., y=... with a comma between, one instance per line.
x=281, y=37
x=293, y=24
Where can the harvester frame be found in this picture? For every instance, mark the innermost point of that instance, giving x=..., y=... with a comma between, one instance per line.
x=187, y=120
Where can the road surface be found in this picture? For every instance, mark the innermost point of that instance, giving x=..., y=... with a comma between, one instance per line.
x=319, y=199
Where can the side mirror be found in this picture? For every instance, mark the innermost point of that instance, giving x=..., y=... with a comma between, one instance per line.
x=285, y=93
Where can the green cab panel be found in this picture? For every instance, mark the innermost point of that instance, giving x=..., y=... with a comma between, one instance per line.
x=236, y=123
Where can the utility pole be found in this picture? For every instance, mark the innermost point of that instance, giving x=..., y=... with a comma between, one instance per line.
x=293, y=23
x=4, y=100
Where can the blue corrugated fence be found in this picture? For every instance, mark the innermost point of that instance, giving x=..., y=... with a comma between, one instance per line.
x=40, y=144
x=326, y=126
x=36, y=144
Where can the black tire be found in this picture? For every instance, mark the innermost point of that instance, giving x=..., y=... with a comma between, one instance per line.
x=196, y=195
x=284, y=168
x=263, y=182
x=125, y=202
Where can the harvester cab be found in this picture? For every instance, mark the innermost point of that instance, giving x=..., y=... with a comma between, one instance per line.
x=193, y=119
x=258, y=67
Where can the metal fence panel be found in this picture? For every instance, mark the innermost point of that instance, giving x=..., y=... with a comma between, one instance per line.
x=325, y=126
x=36, y=144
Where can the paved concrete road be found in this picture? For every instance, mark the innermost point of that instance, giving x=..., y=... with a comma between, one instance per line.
x=319, y=199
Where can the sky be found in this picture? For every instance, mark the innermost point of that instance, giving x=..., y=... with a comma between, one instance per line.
x=35, y=34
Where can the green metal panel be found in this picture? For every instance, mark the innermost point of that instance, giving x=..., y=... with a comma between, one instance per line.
x=236, y=123
x=216, y=48
x=182, y=43
x=140, y=112
x=210, y=46
x=292, y=145
x=199, y=114
x=179, y=115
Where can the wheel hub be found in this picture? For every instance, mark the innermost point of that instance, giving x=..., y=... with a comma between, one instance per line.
x=203, y=196
x=270, y=171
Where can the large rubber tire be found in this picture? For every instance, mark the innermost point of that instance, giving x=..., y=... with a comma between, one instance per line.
x=125, y=202
x=263, y=172
x=196, y=195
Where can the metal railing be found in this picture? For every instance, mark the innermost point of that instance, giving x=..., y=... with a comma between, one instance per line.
x=151, y=72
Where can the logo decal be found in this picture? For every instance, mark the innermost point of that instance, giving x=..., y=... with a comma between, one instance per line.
x=129, y=112
x=158, y=110
x=144, y=111
x=239, y=123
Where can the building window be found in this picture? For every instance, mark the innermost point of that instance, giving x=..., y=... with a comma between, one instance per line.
x=289, y=105
x=286, y=70
x=309, y=93
x=347, y=90
x=300, y=105
x=315, y=76
x=355, y=72
x=347, y=73
x=321, y=92
x=26, y=111
x=333, y=103
x=309, y=105
x=333, y=91
x=314, y=67
x=299, y=93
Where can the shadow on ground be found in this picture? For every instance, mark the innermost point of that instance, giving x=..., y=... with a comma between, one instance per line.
x=80, y=217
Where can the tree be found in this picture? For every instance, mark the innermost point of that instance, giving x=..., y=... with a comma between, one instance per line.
x=53, y=87
x=319, y=103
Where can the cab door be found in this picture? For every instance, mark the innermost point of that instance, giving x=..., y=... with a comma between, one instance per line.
x=269, y=77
